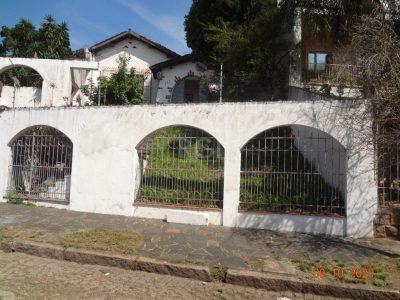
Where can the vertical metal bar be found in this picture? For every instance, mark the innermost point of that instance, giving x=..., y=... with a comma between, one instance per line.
x=32, y=163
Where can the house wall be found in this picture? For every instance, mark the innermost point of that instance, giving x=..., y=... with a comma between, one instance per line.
x=105, y=159
x=305, y=40
x=141, y=55
x=24, y=96
x=56, y=74
x=173, y=75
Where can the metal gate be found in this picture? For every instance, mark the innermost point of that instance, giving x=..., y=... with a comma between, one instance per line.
x=181, y=167
x=40, y=166
x=293, y=169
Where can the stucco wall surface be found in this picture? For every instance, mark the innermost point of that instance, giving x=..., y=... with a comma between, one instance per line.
x=21, y=96
x=172, y=75
x=56, y=74
x=105, y=157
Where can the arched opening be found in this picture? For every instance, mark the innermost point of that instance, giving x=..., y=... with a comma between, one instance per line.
x=190, y=90
x=20, y=86
x=40, y=166
x=293, y=169
x=180, y=166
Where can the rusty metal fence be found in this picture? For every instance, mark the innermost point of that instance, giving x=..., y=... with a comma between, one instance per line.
x=40, y=166
x=334, y=74
x=388, y=170
x=293, y=169
x=181, y=167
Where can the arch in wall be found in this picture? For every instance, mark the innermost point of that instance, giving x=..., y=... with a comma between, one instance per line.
x=21, y=86
x=40, y=165
x=189, y=90
x=181, y=167
x=293, y=169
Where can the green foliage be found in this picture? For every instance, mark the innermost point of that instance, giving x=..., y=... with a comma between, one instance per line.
x=115, y=241
x=326, y=89
x=19, y=201
x=122, y=87
x=51, y=40
x=204, y=13
x=20, y=40
x=177, y=172
x=25, y=76
x=251, y=39
x=219, y=272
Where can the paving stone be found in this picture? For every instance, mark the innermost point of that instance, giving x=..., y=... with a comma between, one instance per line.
x=213, y=245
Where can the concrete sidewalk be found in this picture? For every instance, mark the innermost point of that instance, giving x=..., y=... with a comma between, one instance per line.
x=257, y=250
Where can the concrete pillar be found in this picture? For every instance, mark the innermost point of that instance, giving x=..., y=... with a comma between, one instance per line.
x=361, y=206
x=231, y=186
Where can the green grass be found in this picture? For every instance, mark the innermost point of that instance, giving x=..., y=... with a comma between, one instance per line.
x=219, y=272
x=384, y=270
x=115, y=241
x=180, y=169
x=19, y=201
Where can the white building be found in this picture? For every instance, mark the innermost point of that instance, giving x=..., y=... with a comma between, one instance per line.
x=168, y=76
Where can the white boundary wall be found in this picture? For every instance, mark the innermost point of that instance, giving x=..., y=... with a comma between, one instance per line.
x=105, y=158
x=56, y=73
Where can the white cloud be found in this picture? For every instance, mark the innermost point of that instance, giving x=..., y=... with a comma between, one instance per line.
x=171, y=26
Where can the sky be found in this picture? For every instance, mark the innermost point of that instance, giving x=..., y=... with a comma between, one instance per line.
x=92, y=21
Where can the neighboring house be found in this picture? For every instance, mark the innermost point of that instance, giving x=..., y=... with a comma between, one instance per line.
x=319, y=65
x=178, y=80
x=167, y=76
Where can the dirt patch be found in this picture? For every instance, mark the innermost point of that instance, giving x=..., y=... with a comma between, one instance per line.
x=103, y=240
x=8, y=234
x=114, y=241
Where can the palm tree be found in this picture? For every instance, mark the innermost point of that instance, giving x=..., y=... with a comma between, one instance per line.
x=55, y=38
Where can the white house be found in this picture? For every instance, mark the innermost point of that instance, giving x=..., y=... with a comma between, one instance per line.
x=168, y=76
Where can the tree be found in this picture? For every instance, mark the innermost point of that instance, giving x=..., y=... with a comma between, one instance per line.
x=123, y=87
x=250, y=37
x=20, y=40
x=51, y=40
x=377, y=43
x=54, y=39
x=24, y=40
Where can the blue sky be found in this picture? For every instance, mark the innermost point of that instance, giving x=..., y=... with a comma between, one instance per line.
x=91, y=21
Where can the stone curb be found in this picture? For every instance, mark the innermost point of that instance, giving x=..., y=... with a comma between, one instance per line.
x=95, y=258
x=266, y=281
x=279, y=283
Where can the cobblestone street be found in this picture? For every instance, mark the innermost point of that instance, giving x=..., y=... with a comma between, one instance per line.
x=212, y=245
x=29, y=277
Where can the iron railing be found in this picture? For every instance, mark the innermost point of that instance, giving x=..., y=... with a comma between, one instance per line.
x=388, y=171
x=293, y=169
x=333, y=74
x=40, y=166
x=181, y=167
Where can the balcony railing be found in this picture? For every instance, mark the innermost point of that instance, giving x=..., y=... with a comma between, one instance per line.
x=333, y=74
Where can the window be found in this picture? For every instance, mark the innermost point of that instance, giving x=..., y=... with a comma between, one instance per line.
x=317, y=61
